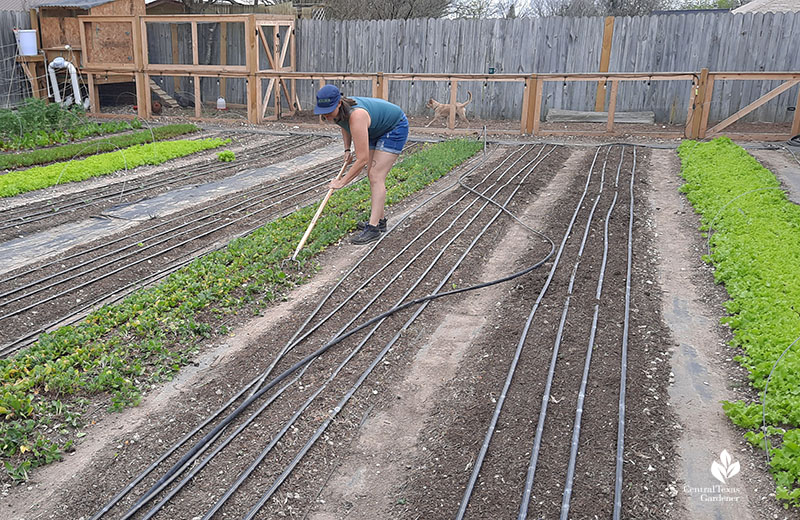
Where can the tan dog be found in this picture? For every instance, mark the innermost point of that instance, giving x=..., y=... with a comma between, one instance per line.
x=443, y=109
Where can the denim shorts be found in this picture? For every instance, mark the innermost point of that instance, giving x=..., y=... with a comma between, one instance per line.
x=392, y=141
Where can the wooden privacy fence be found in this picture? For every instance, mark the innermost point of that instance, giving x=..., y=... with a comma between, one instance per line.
x=700, y=94
x=720, y=42
x=119, y=45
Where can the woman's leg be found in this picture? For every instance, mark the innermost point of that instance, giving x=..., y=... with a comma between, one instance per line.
x=379, y=165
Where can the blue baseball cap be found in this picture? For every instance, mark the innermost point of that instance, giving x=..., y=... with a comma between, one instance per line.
x=327, y=99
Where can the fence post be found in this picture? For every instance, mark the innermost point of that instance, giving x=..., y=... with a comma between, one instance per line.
x=697, y=113
x=251, y=59
x=529, y=101
x=796, y=121
x=605, y=59
x=451, y=122
x=526, y=102
x=537, y=105
x=708, y=91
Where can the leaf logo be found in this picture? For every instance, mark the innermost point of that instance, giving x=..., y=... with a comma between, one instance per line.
x=725, y=468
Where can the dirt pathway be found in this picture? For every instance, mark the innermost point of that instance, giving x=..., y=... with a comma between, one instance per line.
x=701, y=364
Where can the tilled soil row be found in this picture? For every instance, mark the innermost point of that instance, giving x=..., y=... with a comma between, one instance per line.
x=252, y=151
x=309, y=476
x=452, y=440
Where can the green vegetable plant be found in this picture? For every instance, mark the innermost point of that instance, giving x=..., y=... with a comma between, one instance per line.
x=37, y=123
x=119, y=350
x=39, y=177
x=226, y=156
x=755, y=250
x=73, y=150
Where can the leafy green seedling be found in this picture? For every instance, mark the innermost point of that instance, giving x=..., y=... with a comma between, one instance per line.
x=226, y=156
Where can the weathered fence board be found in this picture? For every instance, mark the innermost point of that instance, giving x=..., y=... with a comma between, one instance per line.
x=14, y=86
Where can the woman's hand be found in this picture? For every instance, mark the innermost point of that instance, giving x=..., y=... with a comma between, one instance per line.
x=338, y=183
x=349, y=156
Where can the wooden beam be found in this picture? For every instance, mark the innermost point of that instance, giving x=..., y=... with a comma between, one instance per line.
x=93, y=106
x=84, y=48
x=251, y=58
x=687, y=127
x=195, y=46
x=605, y=59
x=176, y=80
x=612, y=105
x=537, y=106
x=197, y=97
x=796, y=122
x=276, y=41
x=142, y=92
x=783, y=87
x=267, y=96
x=267, y=48
x=148, y=100
x=526, y=103
x=534, y=95
x=709, y=91
x=293, y=64
x=223, y=56
x=284, y=48
x=697, y=113
x=451, y=121
x=186, y=70
x=771, y=76
x=138, y=50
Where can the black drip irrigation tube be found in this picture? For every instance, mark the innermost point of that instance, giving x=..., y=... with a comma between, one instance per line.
x=389, y=345
x=286, y=427
x=535, y=450
x=152, y=181
x=292, y=341
x=168, y=235
x=212, y=435
x=320, y=173
x=512, y=369
x=567, y=495
x=13, y=346
x=255, y=383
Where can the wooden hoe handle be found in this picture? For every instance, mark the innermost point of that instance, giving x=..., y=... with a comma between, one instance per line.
x=316, y=216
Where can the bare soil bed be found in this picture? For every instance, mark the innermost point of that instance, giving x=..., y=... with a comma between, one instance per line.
x=397, y=433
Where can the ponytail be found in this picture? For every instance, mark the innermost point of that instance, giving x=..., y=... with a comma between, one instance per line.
x=345, y=109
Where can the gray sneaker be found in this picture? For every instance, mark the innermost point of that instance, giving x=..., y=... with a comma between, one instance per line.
x=381, y=225
x=370, y=234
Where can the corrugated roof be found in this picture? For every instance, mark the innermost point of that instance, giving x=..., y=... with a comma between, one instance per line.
x=80, y=4
x=14, y=5
x=765, y=6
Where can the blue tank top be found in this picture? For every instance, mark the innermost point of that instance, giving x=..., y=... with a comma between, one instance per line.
x=382, y=115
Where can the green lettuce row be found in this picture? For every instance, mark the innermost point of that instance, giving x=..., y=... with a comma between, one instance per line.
x=755, y=250
x=70, y=151
x=39, y=177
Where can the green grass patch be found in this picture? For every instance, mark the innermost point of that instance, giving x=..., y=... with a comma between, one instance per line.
x=755, y=250
x=107, y=144
x=120, y=350
x=39, y=177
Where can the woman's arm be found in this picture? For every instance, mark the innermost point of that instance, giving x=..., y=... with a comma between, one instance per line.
x=359, y=135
